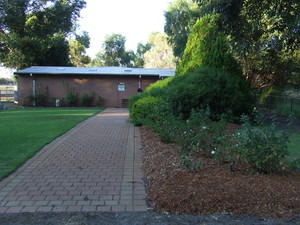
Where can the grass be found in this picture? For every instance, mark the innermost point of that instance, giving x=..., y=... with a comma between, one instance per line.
x=288, y=107
x=10, y=105
x=8, y=88
x=24, y=132
x=282, y=106
x=294, y=145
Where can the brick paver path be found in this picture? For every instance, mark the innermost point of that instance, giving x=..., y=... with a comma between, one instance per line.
x=96, y=166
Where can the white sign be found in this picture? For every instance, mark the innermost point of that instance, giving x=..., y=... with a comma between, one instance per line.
x=121, y=87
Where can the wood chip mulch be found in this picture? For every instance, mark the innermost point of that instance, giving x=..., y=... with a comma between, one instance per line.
x=213, y=189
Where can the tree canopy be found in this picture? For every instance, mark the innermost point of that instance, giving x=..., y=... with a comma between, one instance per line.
x=139, y=60
x=113, y=53
x=156, y=53
x=180, y=17
x=160, y=55
x=264, y=35
x=34, y=32
x=77, y=47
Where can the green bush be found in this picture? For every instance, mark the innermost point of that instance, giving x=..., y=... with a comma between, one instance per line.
x=41, y=97
x=71, y=98
x=88, y=98
x=263, y=147
x=206, y=87
x=199, y=133
x=144, y=110
x=166, y=124
x=71, y=95
x=100, y=101
x=157, y=89
x=133, y=99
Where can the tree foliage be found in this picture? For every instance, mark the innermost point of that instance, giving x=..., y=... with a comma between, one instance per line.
x=139, y=55
x=77, y=46
x=160, y=55
x=156, y=53
x=264, y=36
x=180, y=17
x=6, y=81
x=34, y=32
x=114, y=53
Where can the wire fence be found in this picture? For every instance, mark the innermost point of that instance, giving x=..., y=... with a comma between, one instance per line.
x=281, y=105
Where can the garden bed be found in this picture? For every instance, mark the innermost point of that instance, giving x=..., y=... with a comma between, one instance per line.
x=214, y=188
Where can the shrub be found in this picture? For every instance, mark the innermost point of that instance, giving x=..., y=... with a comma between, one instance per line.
x=263, y=147
x=88, y=98
x=100, y=101
x=71, y=98
x=41, y=97
x=143, y=110
x=166, y=124
x=71, y=95
x=157, y=89
x=200, y=133
x=213, y=88
x=133, y=99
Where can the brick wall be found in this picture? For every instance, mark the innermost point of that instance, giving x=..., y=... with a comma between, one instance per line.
x=105, y=86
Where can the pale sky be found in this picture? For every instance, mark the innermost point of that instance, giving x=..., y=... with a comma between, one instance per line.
x=134, y=19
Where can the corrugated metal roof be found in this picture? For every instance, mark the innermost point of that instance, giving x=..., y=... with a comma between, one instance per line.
x=96, y=71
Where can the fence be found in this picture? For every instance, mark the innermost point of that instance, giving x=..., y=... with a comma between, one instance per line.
x=281, y=105
x=7, y=93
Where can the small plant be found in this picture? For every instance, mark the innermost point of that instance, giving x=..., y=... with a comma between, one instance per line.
x=88, y=98
x=100, y=101
x=71, y=98
x=201, y=134
x=190, y=163
x=223, y=149
x=71, y=95
x=41, y=98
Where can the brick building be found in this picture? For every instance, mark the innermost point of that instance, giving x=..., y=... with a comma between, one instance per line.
x=114, y=84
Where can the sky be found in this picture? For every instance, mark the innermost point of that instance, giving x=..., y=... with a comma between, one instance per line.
x=134, y=19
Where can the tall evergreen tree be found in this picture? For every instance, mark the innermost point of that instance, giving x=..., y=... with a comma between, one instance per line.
x=206, y=46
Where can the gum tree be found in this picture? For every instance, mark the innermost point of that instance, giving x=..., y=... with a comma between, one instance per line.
x=34, y=32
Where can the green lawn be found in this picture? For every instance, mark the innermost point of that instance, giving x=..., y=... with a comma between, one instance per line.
x=24, y=132
x=286, y=108
x=4, y=88
x=294, y=145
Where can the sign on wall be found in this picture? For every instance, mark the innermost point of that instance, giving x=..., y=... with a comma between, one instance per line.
x=121, y=87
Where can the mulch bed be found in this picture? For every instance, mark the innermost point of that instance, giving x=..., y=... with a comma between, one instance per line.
x=213, y=189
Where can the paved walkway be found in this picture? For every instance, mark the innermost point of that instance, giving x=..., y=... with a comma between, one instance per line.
x=95, y=167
